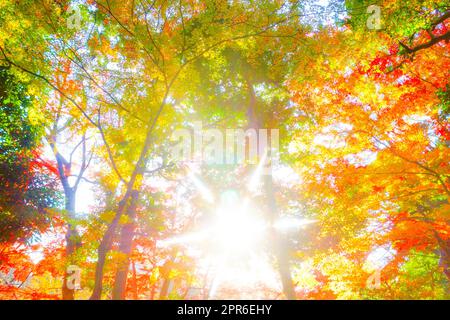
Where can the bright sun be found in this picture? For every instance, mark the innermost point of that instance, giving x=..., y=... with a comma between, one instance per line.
x=237, y=228
x=232, y=244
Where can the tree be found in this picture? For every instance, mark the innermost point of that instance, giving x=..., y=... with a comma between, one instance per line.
x=378, y=143
x=361, y=106
x=28, y=187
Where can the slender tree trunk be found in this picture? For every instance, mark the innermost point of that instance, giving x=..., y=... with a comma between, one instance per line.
x=152, y=291
x=445, y=258
x=72, y=242
x=444, y=252
x=106, y=242
x=165, y=274
x=138, y=171
x=126, y=244
x=103, y=249
x=163, y=295
x=135, y=290
x=279, y=244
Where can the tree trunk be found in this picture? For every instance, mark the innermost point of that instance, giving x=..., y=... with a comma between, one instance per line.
x=279, y=244
x=444, y=252
x=165, y=275
x=103, y=249
x=163, y=295
x=73, y=242
x=106, y=243
x=135, y=290
x=126, y=244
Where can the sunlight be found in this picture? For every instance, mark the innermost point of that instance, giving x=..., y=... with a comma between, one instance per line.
x=289, y=223
x=257, y=271
x=237, y=228
x=231, y=245
x=256, y=176
x=204, y=191
x=186, y=238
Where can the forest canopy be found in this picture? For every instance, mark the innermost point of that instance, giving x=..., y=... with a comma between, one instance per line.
x=224, y=149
